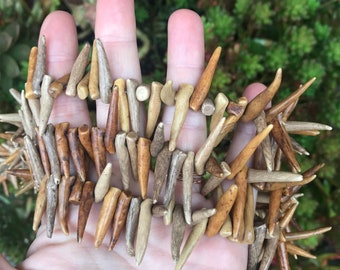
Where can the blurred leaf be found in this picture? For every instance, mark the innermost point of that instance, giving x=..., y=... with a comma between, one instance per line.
x=241, y=7
x=9, y=66
x=20, y=52
x=5, y=41
x=13, y=29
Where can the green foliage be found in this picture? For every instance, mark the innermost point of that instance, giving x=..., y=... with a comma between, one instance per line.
x=16, y=233
x=299, y=10
x=218, y=24
x=300, y=40
x=12, y=53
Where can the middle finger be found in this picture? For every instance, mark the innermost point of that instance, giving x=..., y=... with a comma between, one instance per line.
x=115, y=26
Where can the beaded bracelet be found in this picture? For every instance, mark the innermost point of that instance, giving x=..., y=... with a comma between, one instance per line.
x=41, y=154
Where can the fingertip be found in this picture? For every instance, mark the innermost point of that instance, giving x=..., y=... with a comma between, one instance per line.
x=187, y=17
x=115, y=21
x=244, y=132
x=60, y=32
x=185, y=47
x=252, y=90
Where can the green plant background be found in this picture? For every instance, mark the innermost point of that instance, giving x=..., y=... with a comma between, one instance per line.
x=257, y=37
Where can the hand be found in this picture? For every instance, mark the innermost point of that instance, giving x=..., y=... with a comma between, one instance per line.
x=115, y=27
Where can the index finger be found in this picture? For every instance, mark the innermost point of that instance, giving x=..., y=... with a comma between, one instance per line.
x=115, y=26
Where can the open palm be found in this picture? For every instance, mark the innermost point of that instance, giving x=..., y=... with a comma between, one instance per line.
x=115, y=27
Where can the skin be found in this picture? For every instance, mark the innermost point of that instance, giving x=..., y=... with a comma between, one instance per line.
x=115, y=26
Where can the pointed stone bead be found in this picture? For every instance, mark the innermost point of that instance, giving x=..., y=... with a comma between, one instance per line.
x=123, y=159
x=206, y=149
x=261, y=100
x=106, y=214
x=51, y=148
x=284, y=104
x=40, y=67
x=94, y=73
x=270, y=247
x=154, y=108
x=123, y=106
x=204, y=83
x=84, y=135
x=76, y=191
x=223, y=208
x=239, y=204
x=64, y=191
x=40, y=204
x=221, y=103
x=195, y=235
x=132, y=225
x=199, y=215
x=295, y=250
x=167, y=94
x=111, y=128
x=158, y=140
x=293, y=236
x=240, y=161
x=29, y=94
x=51, y=204
x=143, y=164
x=143, y=229
x=78, y=70
x=187, y=173
x=119, y=217
x=99, y=150
x=105, y=79
x=161, y=171
x=134, y=104
x=63, y=150
x=86, y=201
x=58, y=86
x=282, y=256
x=131, y=142
x=273, y=211
x=103, y=183
x=77, y=153
x=255, y=249
x=178, y=230
x=282, y=139
x=177, y=161
x=181, y=108
x=46, y=105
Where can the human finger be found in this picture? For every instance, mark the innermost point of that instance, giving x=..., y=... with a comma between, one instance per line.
x=185, y=65
x=115, y=26
x=61, y=51
x=244, y=131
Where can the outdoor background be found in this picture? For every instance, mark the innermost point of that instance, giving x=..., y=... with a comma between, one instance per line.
x=257, y=37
